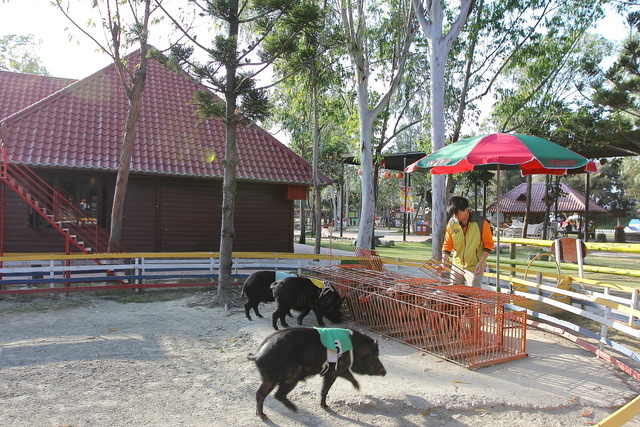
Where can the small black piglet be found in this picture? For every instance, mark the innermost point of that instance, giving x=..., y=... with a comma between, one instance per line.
x=257, y=289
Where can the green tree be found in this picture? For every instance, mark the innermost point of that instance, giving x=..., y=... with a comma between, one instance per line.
x=293, y=110
x=312, y=65
x=612, y=187
x=16, y=54
x=123, y=30
x=498, y=39
x=250, y=36
x=618, y=88
x=431, y=17
x=630, y=180
x=378, y=37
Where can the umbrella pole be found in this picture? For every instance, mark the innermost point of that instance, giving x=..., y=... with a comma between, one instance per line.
x=498, y=229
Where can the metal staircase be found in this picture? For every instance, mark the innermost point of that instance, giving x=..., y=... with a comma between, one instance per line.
x=55, y=207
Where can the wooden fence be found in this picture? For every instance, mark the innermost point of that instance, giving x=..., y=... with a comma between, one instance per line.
x=602, y=306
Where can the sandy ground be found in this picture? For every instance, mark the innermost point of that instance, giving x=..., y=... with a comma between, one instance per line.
x=106, y=363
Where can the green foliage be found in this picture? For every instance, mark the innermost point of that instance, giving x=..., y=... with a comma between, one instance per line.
x=16, y=54
x=310, y=65
x=552, y=45
x=607, y=187
x=477, y=178
x=619, y=87
x=209, y=105
x=256, y=103
x=630, y=180
x=258, y=33
x=225, y=50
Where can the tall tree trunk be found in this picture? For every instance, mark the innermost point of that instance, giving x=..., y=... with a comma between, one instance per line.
x=368, y=200
x=527, y=211
x=135, y=104
x=357, y=43
x=316, y=181
x=431, y=22
x=227, y=229
x=438, y=182
x=303, y=222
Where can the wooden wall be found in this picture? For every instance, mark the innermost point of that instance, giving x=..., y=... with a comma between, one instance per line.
x=174, y=215
x=19, y=236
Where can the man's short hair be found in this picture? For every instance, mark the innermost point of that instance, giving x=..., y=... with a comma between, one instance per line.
x=457, y=203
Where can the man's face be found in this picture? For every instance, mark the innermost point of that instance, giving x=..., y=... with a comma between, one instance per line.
x=462, y=216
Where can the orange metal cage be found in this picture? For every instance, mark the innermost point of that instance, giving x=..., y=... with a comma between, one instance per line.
x=467, y=326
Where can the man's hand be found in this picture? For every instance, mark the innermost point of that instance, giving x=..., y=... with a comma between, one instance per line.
x=479, y=269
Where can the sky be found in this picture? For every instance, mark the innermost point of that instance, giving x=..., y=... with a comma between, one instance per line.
x=62, y=57
x=79, y=58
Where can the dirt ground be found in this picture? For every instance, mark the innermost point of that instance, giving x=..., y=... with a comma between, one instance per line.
x=98, y=362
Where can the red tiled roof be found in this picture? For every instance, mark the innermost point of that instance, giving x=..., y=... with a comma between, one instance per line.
x=515, y=200
x=82, y=126
x=18, y=91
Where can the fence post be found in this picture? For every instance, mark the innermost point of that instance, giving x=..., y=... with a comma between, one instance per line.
x=580, y=257
x=52, y=275
x=634, y=304
x=136, y=264
x=604, y=329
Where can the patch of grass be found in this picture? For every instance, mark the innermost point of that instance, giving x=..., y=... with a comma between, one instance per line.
x=405, y=250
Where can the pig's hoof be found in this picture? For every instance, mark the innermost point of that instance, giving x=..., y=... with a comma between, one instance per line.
x=262, y=415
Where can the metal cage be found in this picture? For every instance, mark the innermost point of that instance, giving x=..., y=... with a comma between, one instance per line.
x=467, y=326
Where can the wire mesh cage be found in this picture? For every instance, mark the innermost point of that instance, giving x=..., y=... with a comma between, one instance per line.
x=467, y=326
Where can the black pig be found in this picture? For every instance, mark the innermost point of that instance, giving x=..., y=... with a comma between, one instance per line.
x=300, y=294
x=291, y=355
x=257, y=288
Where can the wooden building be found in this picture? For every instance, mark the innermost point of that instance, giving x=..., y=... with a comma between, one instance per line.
x=61, y=147
x=513, y=203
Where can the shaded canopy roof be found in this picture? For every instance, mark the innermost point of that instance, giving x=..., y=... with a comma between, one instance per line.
x=82, y=125
x=396, y=162
x=515, y=200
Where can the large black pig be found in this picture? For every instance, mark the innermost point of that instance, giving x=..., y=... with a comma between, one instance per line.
x=301, y=294
x=257, y=288
x=291, y=355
